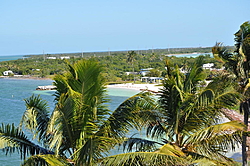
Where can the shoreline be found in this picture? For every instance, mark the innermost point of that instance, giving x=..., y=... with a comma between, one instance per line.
x=25, y=77
x=155, y=88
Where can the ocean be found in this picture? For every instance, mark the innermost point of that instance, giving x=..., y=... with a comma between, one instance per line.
x=13, y=91
x=11, y=57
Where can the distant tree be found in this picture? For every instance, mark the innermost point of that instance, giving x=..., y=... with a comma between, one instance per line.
x=154, y=73
x=131, y=59
x=152, y=57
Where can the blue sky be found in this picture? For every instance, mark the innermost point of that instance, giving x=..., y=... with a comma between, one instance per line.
x=60, y=26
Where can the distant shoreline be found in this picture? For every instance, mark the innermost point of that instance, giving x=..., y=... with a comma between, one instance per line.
x=26, y=77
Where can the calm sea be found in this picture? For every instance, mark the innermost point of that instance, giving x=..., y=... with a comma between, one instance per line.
x=11, y=57
x=13, y=91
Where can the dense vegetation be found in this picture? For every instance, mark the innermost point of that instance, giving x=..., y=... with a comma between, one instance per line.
x=115, y=63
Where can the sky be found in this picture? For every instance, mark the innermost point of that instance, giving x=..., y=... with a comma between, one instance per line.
x=67, y=26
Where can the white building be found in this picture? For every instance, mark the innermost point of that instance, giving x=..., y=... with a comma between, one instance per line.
x=51, y=57
x=128, y=73
x=8, y=72
x=207, y=66
x=64, y=57
x=144, y=72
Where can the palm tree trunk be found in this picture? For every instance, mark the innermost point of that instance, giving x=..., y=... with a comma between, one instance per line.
x=244, y=151
x=134, y=72
x=246, y=108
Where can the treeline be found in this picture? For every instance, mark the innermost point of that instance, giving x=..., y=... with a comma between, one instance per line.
x=165, y=51
x=115, y=63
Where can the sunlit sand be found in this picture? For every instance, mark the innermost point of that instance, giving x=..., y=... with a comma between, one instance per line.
x=149, y=87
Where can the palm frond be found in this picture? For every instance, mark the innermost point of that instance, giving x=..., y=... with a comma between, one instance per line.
x=202, y=160
x=204, y=109
x=228, y=98
x=36, y=116
x=47, y=160
x=220, y=52
x=194, y=76
x=81, y=104
x=135, y=112
x=93, y=146
x=216, y=139
x=172, y=150
x=157, y=129
x=92, y=149
x=12, y=138
x=144, y=158
x=139, y=144
x=35, y=160
x=61, y=86
x=61, y=127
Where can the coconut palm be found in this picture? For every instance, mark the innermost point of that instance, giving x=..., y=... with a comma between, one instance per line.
x=238, y=63
x=131, y=59
x=81, y=129
x=186, y=129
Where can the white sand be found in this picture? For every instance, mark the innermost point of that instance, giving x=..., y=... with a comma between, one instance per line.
x=149, y=87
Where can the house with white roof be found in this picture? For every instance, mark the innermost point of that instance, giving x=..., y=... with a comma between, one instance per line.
x=144, y=72
x=207, y=66
x=8, y=72
x=51, y=57
x=64, y=57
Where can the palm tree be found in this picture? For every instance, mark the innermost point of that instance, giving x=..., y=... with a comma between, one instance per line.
x=238, y=63
x=186, y=129
x=81, y=129
x=131, y=59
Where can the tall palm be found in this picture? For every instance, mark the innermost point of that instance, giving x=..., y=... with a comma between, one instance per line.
x=81, y=129
x=186, y=129
x=238, y=63
x=131, y=59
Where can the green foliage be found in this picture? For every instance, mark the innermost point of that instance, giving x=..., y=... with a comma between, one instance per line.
x=154, y=73
x=13, y=139
x=115, y=63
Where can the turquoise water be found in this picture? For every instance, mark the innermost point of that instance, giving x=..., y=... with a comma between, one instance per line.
x=10, y=57
x=13, y=91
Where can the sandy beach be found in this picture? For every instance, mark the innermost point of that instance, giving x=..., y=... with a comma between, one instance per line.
x=150, y=87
